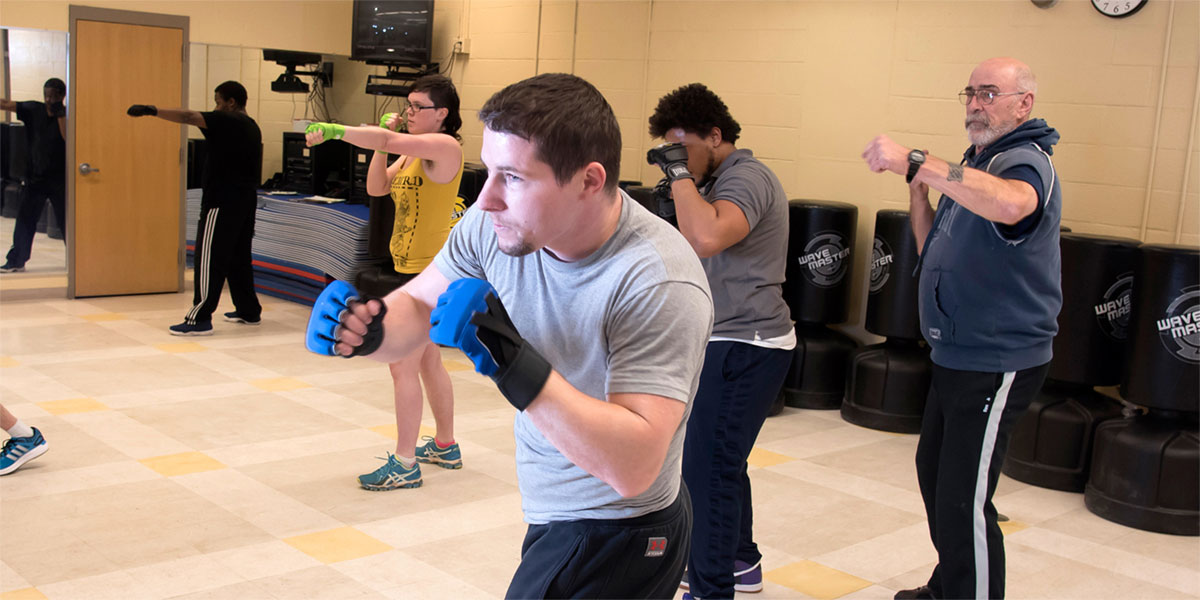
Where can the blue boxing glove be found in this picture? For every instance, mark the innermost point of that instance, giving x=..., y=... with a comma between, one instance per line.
x=326, y=317
x=470, y=317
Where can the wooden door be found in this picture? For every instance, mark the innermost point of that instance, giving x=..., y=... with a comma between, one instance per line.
x=125, y=222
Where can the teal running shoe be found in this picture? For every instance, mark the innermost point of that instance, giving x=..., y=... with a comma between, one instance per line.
x=18, y=451
x=391, y=476
x=446, y=458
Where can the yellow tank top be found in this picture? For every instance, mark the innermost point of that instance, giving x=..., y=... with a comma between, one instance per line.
x=425, y=212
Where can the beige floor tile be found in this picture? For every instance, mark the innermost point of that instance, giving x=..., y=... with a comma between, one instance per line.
x=421, y=528
x=765, y=458
x=266, y=508
x=886, y=556
x=127, y=436
x=181, y=347
x=907, y=499
x=183, y=576
x=23, y=594
x=96, y=523
x=279, y=384
x=236, y=420
x=336, y=545
x=10, y=580
x=160, y=371
x=101, y=317
x=268, y=559
x=1113, y=560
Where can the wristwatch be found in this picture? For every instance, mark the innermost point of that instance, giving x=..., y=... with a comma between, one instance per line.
x=916, y=158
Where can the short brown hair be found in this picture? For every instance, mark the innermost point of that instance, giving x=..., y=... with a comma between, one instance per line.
x=565, y=117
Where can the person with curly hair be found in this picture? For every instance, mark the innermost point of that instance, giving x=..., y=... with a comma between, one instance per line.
x=733, y=211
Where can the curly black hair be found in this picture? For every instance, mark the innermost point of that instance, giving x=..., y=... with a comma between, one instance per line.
x=695, y=109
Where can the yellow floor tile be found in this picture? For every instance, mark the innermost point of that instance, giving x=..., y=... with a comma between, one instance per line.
x=385, y=430
x=457, y=365
x=100, y=317
x=816, y=580
x=181, y=347
x=8, y=361
x=337, y=545
x=390, y=431
x=1011, y=527
x=23, y=594
x=182, y=463
x=765, y=458
x=280, y=384
x=72, y=406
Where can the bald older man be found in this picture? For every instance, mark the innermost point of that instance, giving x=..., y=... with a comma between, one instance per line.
x=989, y=300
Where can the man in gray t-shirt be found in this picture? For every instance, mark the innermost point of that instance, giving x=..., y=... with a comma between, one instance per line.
x=733, y=211
x=592, y=316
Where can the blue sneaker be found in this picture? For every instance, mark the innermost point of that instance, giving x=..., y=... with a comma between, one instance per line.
x=446, y=458
x=746, y=578
x=18, y=451
x=186, y=328
x=391, y=476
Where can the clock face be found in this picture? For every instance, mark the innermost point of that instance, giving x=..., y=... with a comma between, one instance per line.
x=1118, y=8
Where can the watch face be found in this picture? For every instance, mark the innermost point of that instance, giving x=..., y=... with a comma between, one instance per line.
x=1118, y=8
x=916, y=156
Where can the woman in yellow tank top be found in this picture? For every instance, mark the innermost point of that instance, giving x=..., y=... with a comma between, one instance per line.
x=423, y=183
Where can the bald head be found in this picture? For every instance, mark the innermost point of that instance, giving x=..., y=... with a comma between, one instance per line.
x=1009, y=74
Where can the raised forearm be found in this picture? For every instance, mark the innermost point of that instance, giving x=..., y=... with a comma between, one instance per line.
x=377, y=174
x=995, y=199
x=624, y=446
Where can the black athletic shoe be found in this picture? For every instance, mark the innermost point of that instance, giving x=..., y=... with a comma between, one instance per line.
x=234, y=317
x=921, y=593
x=11, y=268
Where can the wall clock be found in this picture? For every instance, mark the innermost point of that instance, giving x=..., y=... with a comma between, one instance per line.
x=1118, y=8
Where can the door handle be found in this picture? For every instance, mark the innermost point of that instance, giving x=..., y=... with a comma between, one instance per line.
x=86, y=169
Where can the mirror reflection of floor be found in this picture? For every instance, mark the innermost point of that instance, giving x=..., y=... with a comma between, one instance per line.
x=46, y=270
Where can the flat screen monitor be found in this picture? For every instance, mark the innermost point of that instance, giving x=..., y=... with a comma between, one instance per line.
x=393, y=31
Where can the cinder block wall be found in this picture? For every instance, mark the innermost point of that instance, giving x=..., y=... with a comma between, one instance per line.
x=810, y=81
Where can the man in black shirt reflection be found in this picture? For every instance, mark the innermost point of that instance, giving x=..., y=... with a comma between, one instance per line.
x=46, y=128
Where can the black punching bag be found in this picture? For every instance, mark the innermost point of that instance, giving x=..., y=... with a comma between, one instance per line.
x=1162, y=366
x=892, y=299
x=817, y=284
x=1097, y=281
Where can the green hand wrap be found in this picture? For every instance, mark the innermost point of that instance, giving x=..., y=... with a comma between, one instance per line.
x=383, y=121
x=330, y=131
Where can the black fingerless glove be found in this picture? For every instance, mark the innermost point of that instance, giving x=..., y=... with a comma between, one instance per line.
x=521, y=372
x=672, y=159
x=142, y=110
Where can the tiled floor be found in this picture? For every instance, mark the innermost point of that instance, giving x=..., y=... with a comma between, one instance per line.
x=223, y=467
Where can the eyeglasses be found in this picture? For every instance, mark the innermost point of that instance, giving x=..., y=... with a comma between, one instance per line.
x=985, y=97
x=416, y=108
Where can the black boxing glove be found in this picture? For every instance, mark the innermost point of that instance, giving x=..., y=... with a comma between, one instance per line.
x=57, y=109
x=672, y=159
x=664, y=202
x=142, y=110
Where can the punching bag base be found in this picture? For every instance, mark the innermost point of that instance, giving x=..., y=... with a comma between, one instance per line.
x=1051, y=445
x=887, y=385
x=812, y=400
x=1145, y=473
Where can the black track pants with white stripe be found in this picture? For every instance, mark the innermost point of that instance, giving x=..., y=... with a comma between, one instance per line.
x=969, y=417
x=223, y=254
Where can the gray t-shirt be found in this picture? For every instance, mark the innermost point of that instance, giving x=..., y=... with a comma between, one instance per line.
x=633, y=317
x=747, y=277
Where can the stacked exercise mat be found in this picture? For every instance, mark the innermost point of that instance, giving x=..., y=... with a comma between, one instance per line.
x=299, y=245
